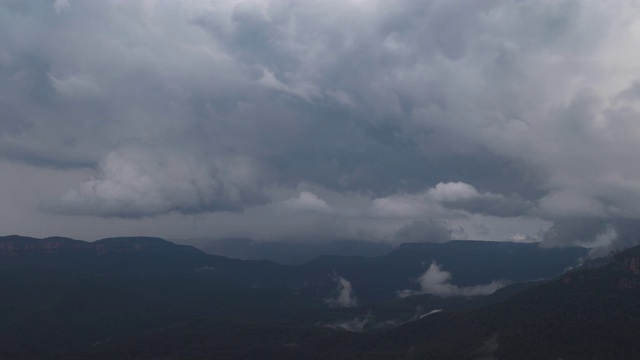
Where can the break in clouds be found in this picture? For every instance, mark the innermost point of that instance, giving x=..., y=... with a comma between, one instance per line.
x=395, y=120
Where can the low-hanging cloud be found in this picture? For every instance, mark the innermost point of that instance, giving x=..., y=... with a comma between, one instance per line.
x=435, y=281
x=603, y=235
x=345, y=296
x=357, y=324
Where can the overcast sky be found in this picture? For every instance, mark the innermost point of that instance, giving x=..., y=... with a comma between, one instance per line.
x=405, y=120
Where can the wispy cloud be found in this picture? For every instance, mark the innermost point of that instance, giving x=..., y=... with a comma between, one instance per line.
x=435, y=281
x=345, y=295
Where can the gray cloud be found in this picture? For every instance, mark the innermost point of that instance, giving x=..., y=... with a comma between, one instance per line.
x=135, y=184
x=463, y=196
x=604, y=235
x=529, y=108
x=574, y=231
x=424, y=231
x=306, y=201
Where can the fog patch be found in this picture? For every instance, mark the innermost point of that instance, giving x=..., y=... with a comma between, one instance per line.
x=204, y=268
x=345, y=295
x=436, y=282
x=356, y=324
x=603, y=236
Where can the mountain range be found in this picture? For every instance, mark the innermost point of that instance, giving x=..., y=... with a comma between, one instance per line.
x=372, y=278
x=147, y=298
x=288, y=252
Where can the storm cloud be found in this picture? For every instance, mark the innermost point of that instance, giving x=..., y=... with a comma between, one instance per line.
x=225, y=118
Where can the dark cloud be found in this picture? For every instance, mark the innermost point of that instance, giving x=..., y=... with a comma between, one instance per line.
x=603, y=234
x=627, y=233
x=492, y=205
x=568, y=232
x=424, y=231
x=197, y=108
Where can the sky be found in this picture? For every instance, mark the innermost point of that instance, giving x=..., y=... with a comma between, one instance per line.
x=406, y=120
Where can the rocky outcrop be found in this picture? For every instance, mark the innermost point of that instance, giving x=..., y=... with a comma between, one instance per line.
x=633, y=264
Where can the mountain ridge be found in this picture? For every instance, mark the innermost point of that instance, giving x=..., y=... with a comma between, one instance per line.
x=13, y=245
x=66, y=304
x=594, y=316
x=372, y=279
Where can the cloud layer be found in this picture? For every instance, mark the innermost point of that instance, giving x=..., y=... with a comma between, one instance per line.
x=485, y=114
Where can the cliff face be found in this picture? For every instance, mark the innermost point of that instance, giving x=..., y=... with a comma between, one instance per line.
x=633, y=264
x=621, y=272
x=15, y=245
